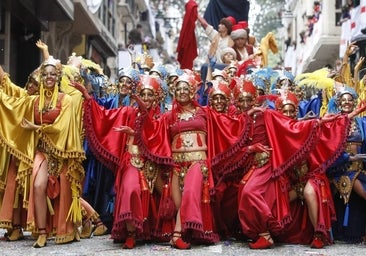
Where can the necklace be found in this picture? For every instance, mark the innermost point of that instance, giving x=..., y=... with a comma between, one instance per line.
x=187, y=115
x=48, y=93
x=47, y=108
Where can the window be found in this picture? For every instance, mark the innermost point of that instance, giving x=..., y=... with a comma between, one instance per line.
x=107, y=14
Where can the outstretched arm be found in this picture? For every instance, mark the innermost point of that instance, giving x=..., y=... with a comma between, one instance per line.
x=44, y=47
x=361, y=107
x=82, y=89
x=356, y=79
x=202, y=21
x=139, y=102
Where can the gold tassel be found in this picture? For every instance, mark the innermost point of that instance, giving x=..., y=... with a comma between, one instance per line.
x=74, y=214
x=54, y=96
x=50, y=208
x=16, y=199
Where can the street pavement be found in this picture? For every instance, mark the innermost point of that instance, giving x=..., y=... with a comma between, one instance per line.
x=104, y=246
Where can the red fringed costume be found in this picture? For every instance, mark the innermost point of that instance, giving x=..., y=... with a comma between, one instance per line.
x=162, y=141
x=263, y=193
x=135, y=176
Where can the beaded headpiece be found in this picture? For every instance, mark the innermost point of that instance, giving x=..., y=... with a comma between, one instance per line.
x=245, y=88
x=286, y=98
x=149, y=82
x=160, y=70
x=189, y=79
x=218, y=72
x=220, y=88
x=131, y=73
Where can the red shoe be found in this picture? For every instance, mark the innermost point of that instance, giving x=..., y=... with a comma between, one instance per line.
x=261, y=243
x=317, y=242
x=179, y=243
x=130, y=242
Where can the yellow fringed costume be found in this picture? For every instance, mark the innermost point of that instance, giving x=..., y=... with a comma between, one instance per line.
x=60, y=141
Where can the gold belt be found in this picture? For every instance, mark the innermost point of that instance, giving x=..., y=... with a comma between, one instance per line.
x=352, y=150
x=261, y=158
x=355, y=165
x=189, y=156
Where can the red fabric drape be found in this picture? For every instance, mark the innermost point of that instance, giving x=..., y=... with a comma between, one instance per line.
x=106, y=145
x=187, y=45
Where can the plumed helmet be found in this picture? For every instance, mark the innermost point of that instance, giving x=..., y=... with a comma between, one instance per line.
x=131, y=73
x=244, y=88
x=149, y=82
x=286, y=98
x=220, y=88
x=219, y=72
x=189, y=79
x=160, y=70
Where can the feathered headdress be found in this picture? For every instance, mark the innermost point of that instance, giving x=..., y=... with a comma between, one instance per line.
x=318, y=79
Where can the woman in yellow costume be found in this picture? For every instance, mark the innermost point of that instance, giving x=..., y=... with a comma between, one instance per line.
x=42, y=132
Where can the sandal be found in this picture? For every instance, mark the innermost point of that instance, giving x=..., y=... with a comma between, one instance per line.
x=42, y=239
x=318, y=241
x=264, y=241
x=87, y=229
x=130, y=242
x=14, y=234
x=179, y=243
x=100, y=229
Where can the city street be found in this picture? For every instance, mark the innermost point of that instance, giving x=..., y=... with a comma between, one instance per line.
x=104, y=246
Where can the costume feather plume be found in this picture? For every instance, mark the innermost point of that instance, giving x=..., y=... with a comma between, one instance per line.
x=319, y=79
x=92, y=66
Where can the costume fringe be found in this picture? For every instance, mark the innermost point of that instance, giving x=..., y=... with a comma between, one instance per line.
x=102, y=154
x=206, y=208
x=300, y=154
x=18, y=154
x=6, y=224
x=75, y=175
x=61, y=153
x=227, y=154
x=341, y=146
x=139, y=124
x=63, y=239
x=145, y=195
x=119, y=231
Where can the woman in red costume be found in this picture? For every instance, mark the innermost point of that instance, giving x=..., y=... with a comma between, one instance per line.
x=43, y=135
x=225, y=205
x=135, y=211
x=314, y=210
x=189, y=137
x=263, y=195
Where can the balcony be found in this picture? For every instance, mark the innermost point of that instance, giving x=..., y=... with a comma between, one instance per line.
x=321, y=46
x=125, y=11
x=85, y=22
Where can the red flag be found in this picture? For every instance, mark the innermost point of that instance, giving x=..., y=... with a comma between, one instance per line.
x=187, y=45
